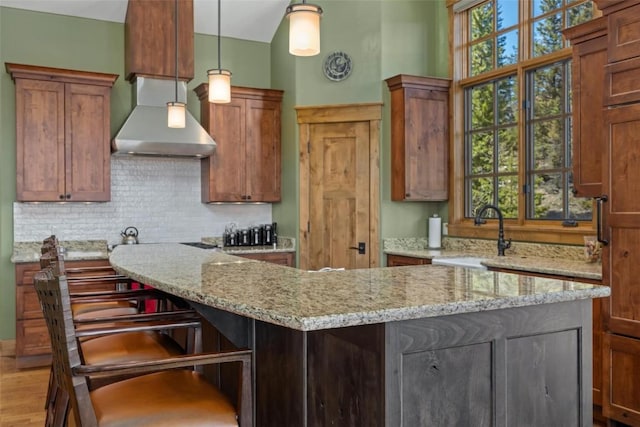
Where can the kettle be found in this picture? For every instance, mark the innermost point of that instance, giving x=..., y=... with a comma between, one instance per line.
x=130, y=236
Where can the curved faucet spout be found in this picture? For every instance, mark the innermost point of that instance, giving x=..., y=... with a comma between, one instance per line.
x=479, y=220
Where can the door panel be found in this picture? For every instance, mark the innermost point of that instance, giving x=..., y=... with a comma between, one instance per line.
x=339, y=194
x=621, y=258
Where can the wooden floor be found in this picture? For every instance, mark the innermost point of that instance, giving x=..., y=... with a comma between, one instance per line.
x=22, y=392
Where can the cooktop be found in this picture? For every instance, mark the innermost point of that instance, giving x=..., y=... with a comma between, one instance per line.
x=200, y=245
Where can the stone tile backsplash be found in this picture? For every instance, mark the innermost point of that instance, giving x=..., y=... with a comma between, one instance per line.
x=158, y=196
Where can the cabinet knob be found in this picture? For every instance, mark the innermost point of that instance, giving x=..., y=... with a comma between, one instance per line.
x=68, y=196
x=407, y=195
x=61, y=197
x=248, y=197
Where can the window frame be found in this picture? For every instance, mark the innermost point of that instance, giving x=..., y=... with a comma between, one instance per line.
x=544, y=231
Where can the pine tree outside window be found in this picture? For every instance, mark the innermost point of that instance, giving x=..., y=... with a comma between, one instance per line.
x=512, y=114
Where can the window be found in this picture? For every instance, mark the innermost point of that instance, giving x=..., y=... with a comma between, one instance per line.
x=512, y=111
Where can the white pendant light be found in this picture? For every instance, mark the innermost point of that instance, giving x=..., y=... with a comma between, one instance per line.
x=304, y=28
x=219, y=79
x=176, y=111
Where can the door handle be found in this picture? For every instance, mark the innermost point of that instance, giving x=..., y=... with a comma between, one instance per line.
x=362, y=248
x=599, y=201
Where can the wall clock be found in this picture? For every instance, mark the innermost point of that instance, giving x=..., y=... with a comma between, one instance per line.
x=337, y=66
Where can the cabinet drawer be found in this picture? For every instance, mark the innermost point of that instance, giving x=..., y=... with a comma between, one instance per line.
x=621, y=390
x=400, y=260
x=624, y=34
x=622, y=82
x=282, y=258
x=32, y=338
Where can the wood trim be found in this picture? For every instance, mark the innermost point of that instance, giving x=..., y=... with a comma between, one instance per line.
x=34, y=72
x=372, y=113
x=339, y=113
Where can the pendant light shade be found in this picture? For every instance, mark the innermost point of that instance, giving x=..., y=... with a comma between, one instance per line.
x=219, y=79
x=219, y=86
x=304, y=29
x=176, y=114
x=176, y=111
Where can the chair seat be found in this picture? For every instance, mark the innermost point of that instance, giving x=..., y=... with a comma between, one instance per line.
x=168, y=398
x=128, y=346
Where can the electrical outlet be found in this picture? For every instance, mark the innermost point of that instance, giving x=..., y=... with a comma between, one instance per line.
x=445, y=228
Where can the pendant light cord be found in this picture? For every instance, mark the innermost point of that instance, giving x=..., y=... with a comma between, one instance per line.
x=176, y=47
x=219, y=67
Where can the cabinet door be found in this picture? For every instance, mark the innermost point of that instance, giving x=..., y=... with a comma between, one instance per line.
x=621, y=367
x=419, y=138
x=223, y=174
x=589, y=60
x=262, y=150
x=40, y=136
x=87, y=152
x=621, y=257
x=624, y=34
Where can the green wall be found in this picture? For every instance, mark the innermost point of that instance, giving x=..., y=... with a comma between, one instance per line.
x=66, y=42
x=390, y=37
x=383, y=38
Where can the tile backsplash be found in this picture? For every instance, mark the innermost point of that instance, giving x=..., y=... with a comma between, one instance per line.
x=159, y=196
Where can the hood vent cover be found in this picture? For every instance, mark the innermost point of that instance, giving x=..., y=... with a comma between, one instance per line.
x=145, y=132
x=149, y=66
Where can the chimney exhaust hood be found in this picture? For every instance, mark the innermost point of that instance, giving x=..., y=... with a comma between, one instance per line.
x=150, y=66
x=145, y=132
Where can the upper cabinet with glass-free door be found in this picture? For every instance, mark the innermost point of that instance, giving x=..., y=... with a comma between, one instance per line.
x=62, y=134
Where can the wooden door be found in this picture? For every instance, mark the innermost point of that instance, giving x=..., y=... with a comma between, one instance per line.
x=621, y=258
x=262, y=150
x=339, y=186
x=87, y=150
x=339, y=196
x=40, y=140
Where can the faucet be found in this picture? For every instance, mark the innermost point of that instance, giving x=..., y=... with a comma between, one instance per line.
x=502, y=245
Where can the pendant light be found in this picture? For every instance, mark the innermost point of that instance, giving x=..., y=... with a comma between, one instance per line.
x=219, y=79
x=176, y=111
x=304, y=28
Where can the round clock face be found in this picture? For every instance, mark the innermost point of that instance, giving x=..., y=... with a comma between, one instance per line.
x=337, y=66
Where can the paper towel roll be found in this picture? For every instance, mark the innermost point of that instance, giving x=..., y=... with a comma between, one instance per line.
x=435, y=231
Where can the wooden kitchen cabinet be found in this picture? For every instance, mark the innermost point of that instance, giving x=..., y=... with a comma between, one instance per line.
x=400, y=260
x=33, y=347
x=597, y=335
x=62, y=134
x=622, y=369
x=282, y=258
x=620, y=207
x=419, y=138
x=589, y=41
x=246, y=165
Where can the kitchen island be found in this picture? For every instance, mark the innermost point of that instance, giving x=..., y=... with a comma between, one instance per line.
x=405, y=346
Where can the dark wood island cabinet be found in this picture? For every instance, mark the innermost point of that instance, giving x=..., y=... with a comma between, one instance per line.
x=418, y=345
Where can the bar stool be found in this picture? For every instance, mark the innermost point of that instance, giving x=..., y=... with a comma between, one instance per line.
x=163, y=391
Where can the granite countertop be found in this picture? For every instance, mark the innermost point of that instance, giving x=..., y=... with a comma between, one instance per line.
x=76, y=250
x=560, y=260
x=306, y=301
x=85, y=250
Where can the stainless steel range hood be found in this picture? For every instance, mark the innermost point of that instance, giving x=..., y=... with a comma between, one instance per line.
x=145, y=132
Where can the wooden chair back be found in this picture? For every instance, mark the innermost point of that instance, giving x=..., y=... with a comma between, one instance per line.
x=53, y=293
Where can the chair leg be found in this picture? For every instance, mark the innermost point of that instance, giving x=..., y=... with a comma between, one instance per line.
x=51, y=390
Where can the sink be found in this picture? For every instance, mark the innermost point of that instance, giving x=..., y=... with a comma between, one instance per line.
x=468, y=262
